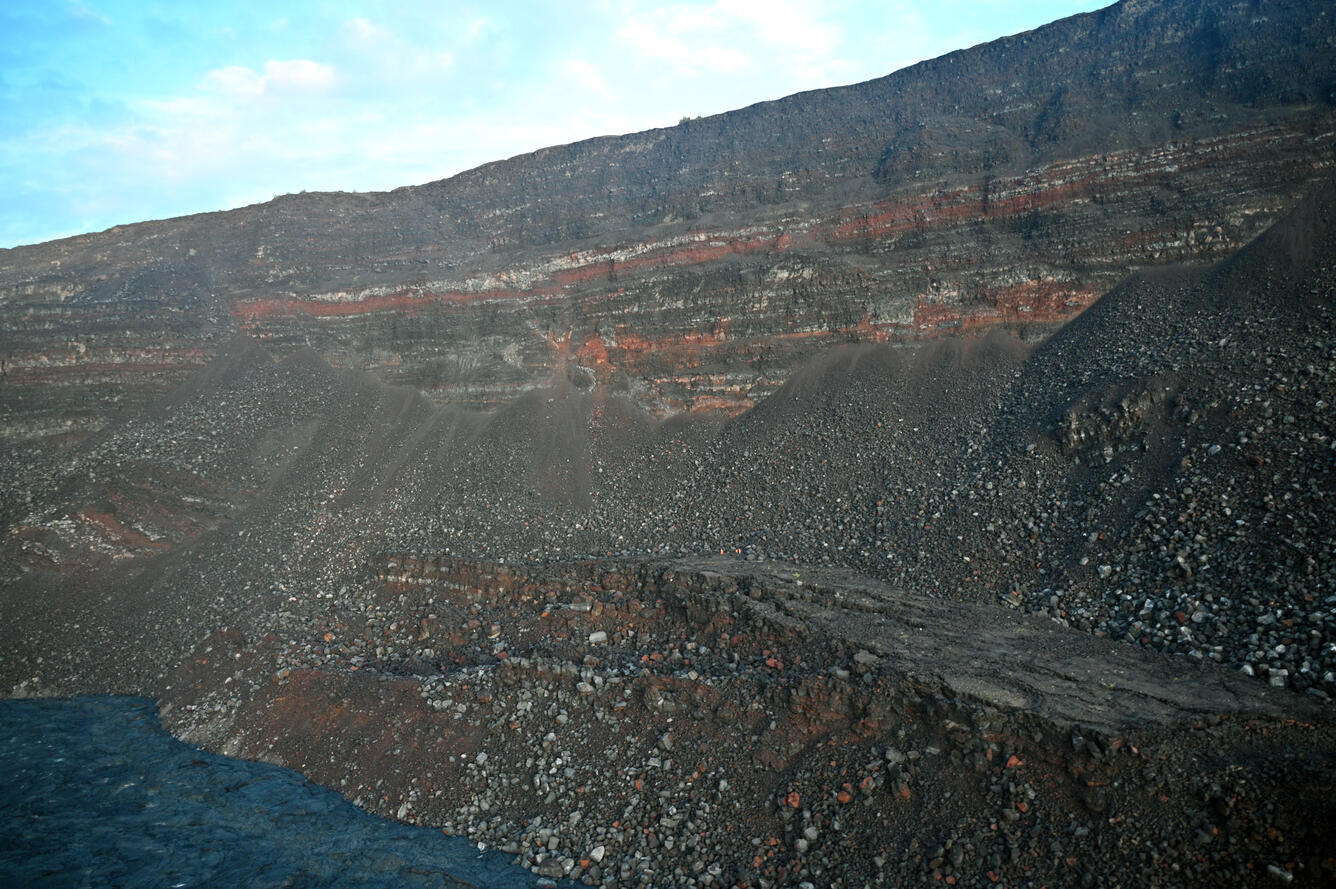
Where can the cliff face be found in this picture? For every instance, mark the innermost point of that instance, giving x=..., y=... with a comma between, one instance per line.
x=768, y=649
x=692, y=268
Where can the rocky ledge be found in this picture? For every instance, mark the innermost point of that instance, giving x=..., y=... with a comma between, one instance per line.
x=720, y=723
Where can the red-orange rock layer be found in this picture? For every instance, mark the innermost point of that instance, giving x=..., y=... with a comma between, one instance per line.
x=1048, y=188
x=700, y=317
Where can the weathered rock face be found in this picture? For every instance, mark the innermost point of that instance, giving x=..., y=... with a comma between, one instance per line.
x=694, y=267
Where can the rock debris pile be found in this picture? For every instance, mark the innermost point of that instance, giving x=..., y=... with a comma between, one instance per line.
x=713, y=723
x=978, y=611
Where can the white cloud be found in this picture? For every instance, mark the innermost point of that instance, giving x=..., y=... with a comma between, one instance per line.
x=583, y=74
x=783, y=23
x=683, y=37
x=365, y=33
x=382, y=54
x=476, y=29
x=297, y=74
x=82, y=12
x=179, y=106
x=235, y=80
x=279, y=76
x=728, y=37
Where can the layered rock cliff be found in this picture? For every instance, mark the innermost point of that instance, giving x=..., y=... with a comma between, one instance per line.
x=978, y=611
x=692, y=268
x=280, y=553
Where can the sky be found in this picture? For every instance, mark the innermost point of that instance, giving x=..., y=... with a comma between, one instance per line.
x=118, y=111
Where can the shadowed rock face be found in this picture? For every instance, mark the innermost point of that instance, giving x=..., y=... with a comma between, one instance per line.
x=693, y=268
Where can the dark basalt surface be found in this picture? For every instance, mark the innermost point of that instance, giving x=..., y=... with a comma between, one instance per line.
x=95, y=793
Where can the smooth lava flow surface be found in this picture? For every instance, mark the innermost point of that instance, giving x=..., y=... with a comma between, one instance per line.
x=94, y=793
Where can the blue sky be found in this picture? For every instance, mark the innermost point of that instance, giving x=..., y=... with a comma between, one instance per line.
x=116, y=112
